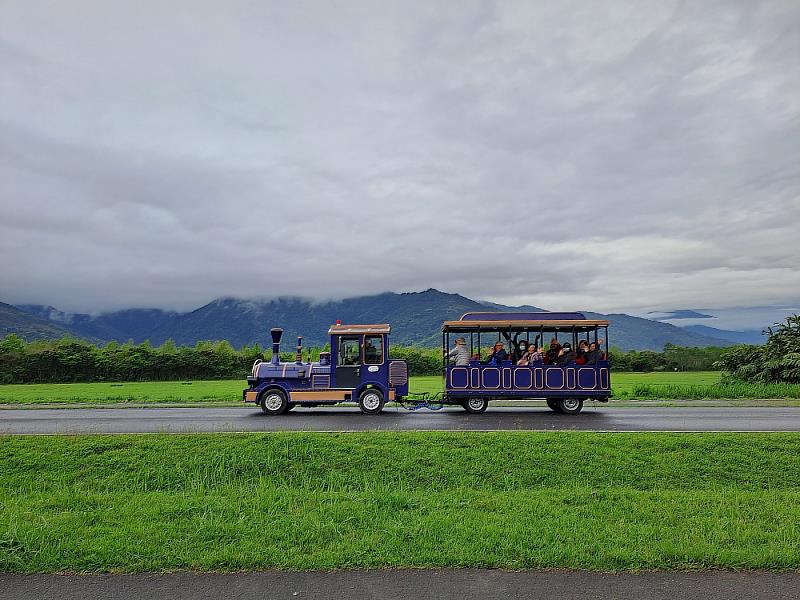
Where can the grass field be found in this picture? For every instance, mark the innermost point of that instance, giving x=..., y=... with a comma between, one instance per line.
x=694, y=385
x=313, y=500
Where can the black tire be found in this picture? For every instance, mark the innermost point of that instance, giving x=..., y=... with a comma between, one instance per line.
x=273, y=402
x=475, y=406
x=290, y=406
x=570, y=406
x=370, y=402
x=554, y=405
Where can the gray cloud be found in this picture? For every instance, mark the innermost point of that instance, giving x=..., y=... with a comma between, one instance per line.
x=610, y=156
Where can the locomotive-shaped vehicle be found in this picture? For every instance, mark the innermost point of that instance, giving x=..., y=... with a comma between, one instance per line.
x=357, y=369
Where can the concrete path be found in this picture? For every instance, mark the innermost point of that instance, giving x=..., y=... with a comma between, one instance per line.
x=462, y=584
x=594, y=418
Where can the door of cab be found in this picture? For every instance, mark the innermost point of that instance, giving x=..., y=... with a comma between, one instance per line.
x=348, y=367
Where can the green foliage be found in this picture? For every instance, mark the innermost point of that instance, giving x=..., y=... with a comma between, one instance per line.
x=777, y=361
x=421, y=361
x=673, y=358
x=72, y=360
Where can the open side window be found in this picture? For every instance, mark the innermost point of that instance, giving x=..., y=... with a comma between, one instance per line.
x=349, y=351
x=373, y=349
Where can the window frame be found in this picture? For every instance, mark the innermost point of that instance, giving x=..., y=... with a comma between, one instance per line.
x=340, y=355
x=382, y=351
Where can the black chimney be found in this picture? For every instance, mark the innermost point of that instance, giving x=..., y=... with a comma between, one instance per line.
x=276, y=333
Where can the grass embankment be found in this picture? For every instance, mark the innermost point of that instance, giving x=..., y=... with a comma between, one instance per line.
x=692, y=385
x=321, y=501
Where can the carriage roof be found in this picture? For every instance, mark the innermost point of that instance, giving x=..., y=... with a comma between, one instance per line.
x=472, y=321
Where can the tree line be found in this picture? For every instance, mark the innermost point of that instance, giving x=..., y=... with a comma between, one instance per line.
x=72, y=360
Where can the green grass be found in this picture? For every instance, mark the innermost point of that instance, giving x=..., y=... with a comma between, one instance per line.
x=693, y=385
x=322, y=501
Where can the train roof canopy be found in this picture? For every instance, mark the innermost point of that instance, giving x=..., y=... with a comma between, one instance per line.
x=359, y=329
x=472, y=321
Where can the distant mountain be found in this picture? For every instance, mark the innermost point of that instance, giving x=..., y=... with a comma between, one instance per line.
x=123, y=325
x=753, y=336
x=678, y=314
x=28, y=327
x=416, y=319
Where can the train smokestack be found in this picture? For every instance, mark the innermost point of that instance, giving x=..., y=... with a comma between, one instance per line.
x=276, y=333
x=299, y=358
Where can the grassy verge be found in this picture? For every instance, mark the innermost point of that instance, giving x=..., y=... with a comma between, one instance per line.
x=696, y=385
x=305, y=500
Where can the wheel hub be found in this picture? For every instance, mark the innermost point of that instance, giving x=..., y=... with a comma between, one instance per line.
x=476, y=403
x=273, y=401
x=371, y=401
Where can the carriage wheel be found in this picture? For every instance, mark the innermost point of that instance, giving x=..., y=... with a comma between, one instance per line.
x=570, y=406
x=475, y=405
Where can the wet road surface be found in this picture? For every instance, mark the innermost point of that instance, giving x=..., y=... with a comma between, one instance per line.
x=239, y=419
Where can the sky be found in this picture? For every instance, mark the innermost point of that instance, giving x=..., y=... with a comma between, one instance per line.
x=607, y=156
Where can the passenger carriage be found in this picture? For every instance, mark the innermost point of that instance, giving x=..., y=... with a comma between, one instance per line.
x=564, y=387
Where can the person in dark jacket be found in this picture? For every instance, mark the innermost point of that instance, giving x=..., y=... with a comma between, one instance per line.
x=551, y=356
x=567, y=355
x=593, y=355
x=498, y=354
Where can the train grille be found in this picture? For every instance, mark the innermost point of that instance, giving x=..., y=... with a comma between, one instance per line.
x=398, y=373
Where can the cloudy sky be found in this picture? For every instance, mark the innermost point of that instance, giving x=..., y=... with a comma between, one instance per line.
x=614, y=156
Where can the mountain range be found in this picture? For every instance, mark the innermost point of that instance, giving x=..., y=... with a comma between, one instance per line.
x=416, y=319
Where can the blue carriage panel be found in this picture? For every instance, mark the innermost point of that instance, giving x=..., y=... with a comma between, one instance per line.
x=458, y=378
x=587, y=378
x=475, y=377
x=490, y=378
x=507, y=378
x=570, y=373
x=523, y=378
x=554, y=378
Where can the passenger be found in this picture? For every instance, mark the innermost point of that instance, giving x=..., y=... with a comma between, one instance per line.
x=566, y=355
x=551, y=356
x=519, y=351
x=459, y=355
x=593, y=355
x=498, y=354
x=532, y=356
x=580, y=355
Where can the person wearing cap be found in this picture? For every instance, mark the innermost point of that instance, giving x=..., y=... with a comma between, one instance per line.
x=498, y=354
x=459, y=354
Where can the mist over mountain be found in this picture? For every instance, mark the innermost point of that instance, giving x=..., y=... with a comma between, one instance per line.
x=416, y=319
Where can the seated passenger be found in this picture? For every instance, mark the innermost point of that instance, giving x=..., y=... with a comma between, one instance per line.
x=459, y=355
x=580, y=355
x=566, y=355
x=531, y=356
x=551, y=356
x=498, y=355
x=519, y=351
x=593, y=355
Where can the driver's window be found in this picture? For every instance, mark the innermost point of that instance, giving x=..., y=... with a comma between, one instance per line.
x=373, y=349
x=349, y=351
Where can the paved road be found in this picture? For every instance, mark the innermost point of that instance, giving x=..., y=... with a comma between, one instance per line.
x=463, y=584
x=594, y=418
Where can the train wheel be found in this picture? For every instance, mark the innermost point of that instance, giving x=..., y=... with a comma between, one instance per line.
x=273, y=402
x=370, y=401
x=475, y=405
x=570, y=406
x=554, y=405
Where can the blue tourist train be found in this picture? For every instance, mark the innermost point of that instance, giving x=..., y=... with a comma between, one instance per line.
x=558, y=357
